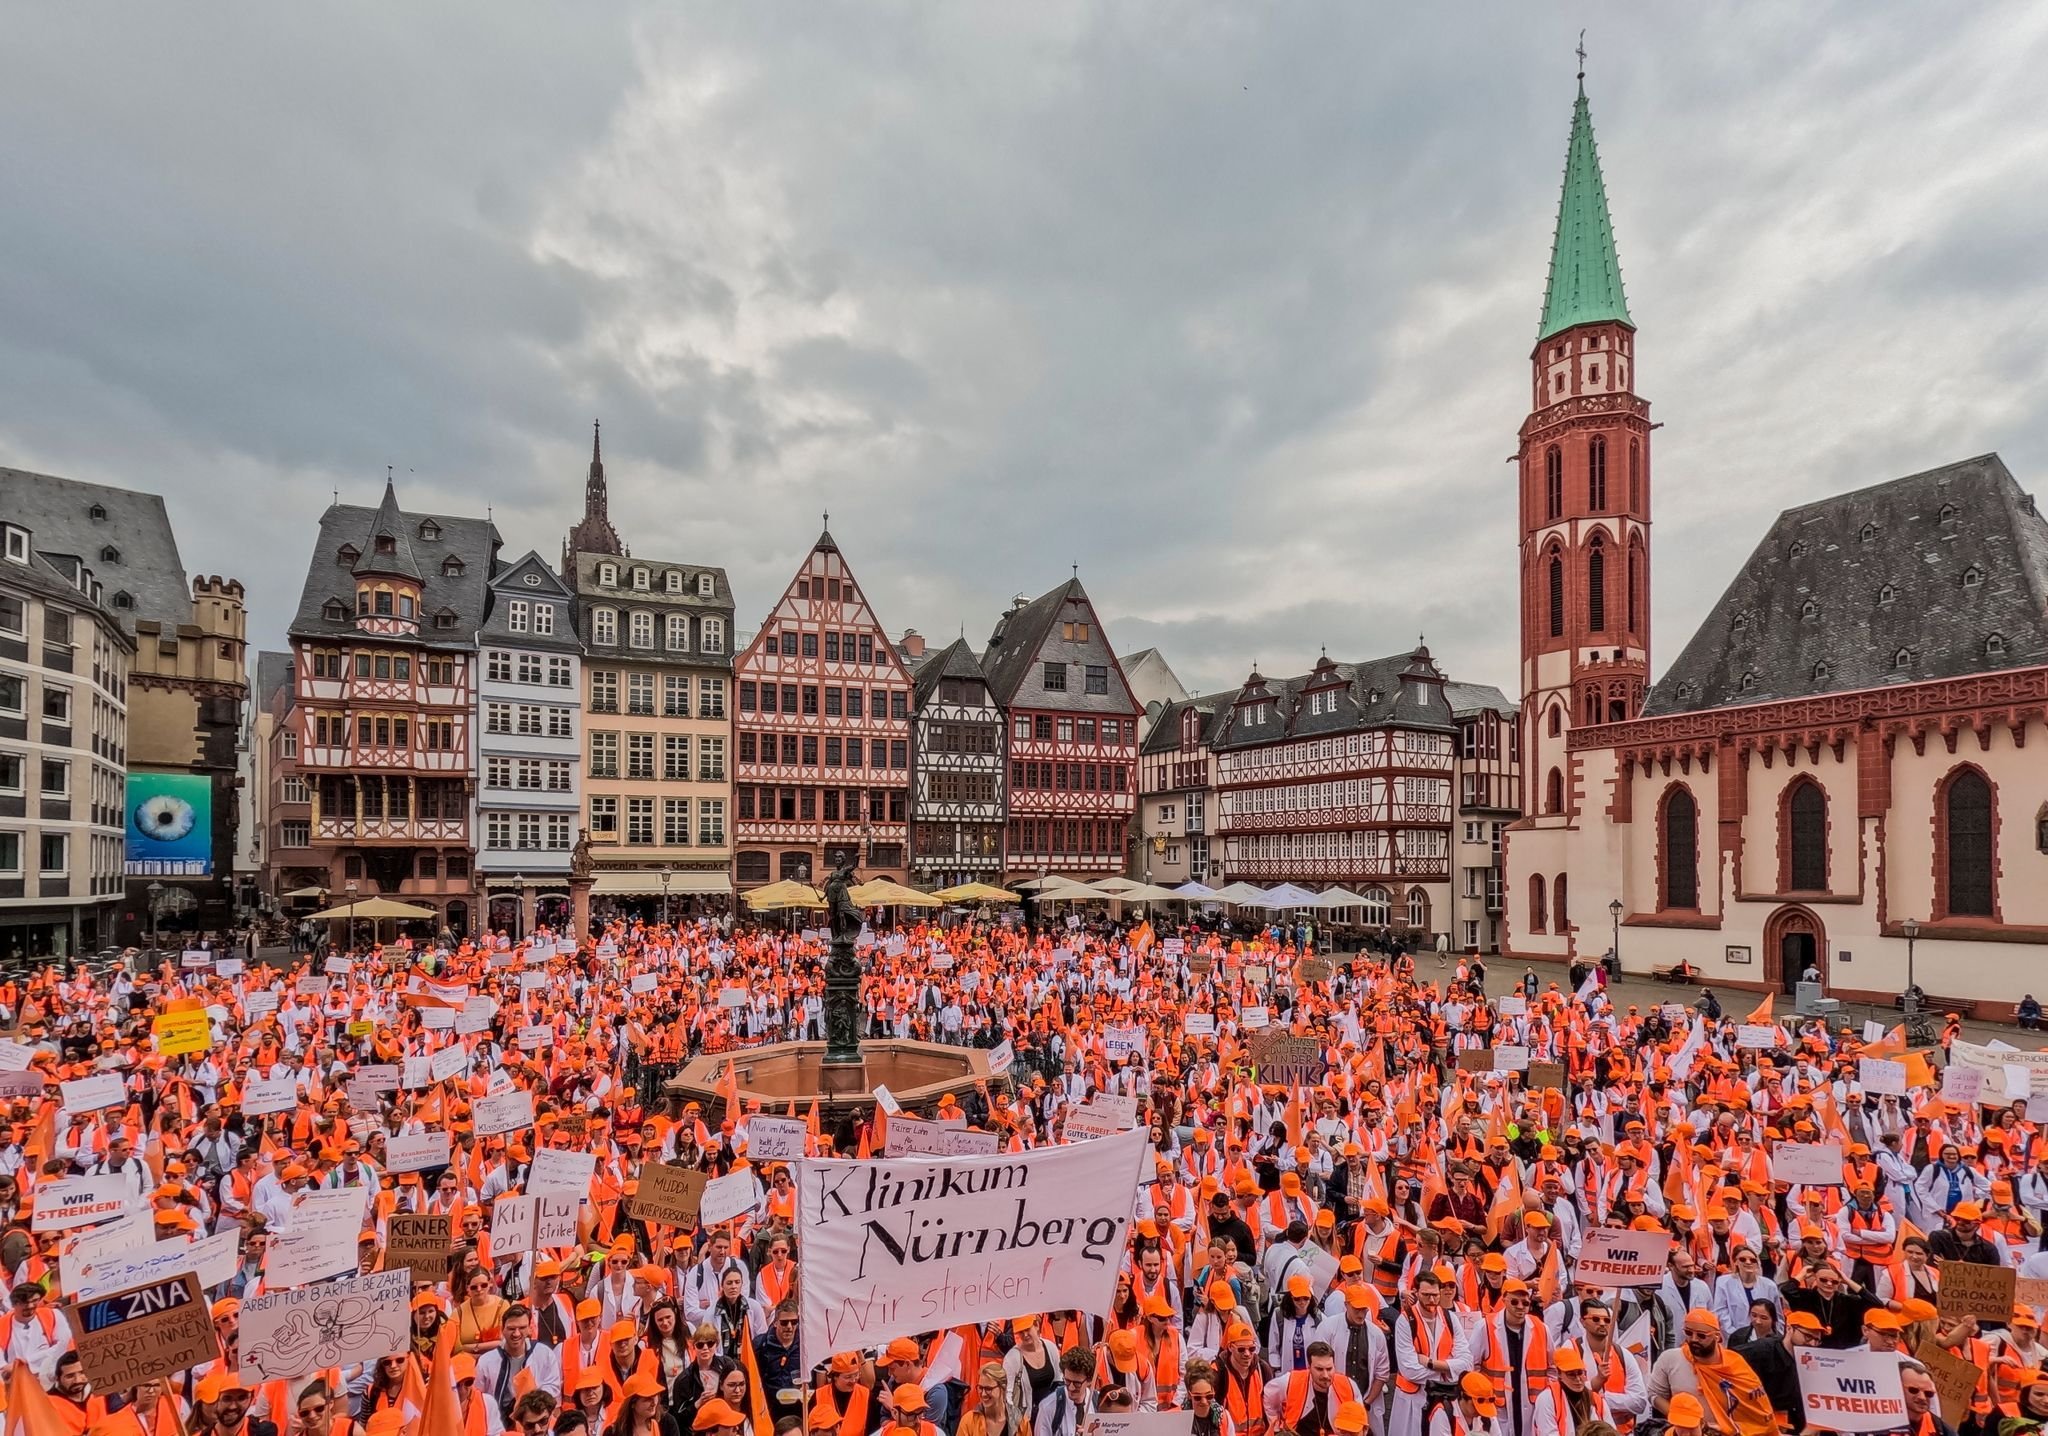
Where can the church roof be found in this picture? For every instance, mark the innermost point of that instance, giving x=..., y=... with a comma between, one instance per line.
x=1936, y=575
x=1585, y=272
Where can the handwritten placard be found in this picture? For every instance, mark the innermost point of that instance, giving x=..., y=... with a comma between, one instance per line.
x=1976, y=1289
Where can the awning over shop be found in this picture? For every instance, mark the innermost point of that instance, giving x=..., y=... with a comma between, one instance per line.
x=646, y=882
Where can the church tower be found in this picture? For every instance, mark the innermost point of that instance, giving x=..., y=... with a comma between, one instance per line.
x=1584, y=465
x=594, y=532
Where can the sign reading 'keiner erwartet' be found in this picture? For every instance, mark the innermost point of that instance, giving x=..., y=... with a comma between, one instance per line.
x=893, y=1248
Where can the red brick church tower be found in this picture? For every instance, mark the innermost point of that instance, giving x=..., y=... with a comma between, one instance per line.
x=1584, y=462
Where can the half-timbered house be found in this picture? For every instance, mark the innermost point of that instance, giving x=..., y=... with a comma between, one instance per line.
x=956, y=771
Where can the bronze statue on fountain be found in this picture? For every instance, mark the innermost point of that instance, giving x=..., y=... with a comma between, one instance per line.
x=842, y=970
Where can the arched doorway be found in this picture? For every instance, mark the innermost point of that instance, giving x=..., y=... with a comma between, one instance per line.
x=1794, y=940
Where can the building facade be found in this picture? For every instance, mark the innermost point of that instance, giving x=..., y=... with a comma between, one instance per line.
x=529, y=747
x=385, y=692
x=1488, y=788
x=1343, y=777
x=1073, y=737
x=822, y=734
x=657, y=776
x=1177, y=792
x=187, y=689
x=957, y=771
x=1836, y=771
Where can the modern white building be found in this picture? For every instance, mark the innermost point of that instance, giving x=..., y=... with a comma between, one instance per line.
x=529, y=746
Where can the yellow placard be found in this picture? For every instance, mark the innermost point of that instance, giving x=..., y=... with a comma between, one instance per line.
x=361, y=1029
x=180, y=1032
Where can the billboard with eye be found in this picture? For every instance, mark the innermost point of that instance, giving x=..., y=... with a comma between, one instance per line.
x=169, y=825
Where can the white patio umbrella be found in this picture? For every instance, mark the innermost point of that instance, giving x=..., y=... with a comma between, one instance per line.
x=1196, y=892
x=1289, y=895
x=1336, y=898
x=1243, y=894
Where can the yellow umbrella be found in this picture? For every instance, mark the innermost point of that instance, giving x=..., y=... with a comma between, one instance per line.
x=975, y=892
x=787, y=893
x=374, y=908
x=307, y=893
x=881, y=892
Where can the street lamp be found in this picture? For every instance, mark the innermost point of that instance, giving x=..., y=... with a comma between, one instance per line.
x=1614, y=911
x=351, y=887
x=156, y=892
x=668, y=870
x=1911, y=928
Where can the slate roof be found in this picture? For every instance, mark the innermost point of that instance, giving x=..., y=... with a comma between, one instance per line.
x=955, y=660
x=1164, y=735
x=1933, y=566
x=273, y=673
x=509, y=582
x=58, y=513
x=1469, y=700
x=1023, y=636
x=1369, y=695
x=472, y=541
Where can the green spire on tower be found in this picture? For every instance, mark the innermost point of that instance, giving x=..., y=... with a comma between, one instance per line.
x=1585, y=273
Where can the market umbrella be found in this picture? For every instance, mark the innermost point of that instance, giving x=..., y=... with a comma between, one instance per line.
x=1192, y=891
x=1289, y=895
x=881, y=892
x=787, y=893
x=975, y=892
x=1243, y=894
x=1335, y=898
x=307, y=893
x=1041, y=884
x=1147, y=892
x=374, y=908
x=1114, y=887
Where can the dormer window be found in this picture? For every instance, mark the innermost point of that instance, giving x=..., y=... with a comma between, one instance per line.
x=97, y=513
x=1820, y=671
x=110, y=554
x=124, y=599
x=1994, y=646
x=673, y=580
x=640, y=579
x=1887, y=596
x=386, y=544
x=451, y=567
x=348, y=553
x=445, y=618
x=1948, y=514
x=1749, y=682
x=334, y=611
x=1809, y=610
x=1868, y=534
x=608, y=574
x=429, y=530
x=705, y=587
x=1903, y=658
x=1973, y=576
x=1798, y=548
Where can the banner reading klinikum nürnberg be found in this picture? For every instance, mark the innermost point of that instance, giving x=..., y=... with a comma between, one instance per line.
x=894, y=1248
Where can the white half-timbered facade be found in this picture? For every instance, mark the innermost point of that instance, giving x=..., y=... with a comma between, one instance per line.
x=821, y=734
x=957, y=800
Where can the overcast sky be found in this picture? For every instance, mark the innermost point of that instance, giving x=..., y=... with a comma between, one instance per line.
x=1229, y=304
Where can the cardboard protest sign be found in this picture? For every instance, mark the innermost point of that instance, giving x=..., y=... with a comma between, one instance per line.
x=71, y=1202
x=1812, y=1164
x=512, y=1224
x=1955, y=1380
x=555, y=1170
x=419, y=1243
x=505, y=1112
x=972, y=1144
x=669, y=1195
x=1315, y=970
x=264, y=1095
x=140, y=1334
x=1476, y=1059
x=211, y=1259
x=1035, y=1231
x=1850, y=1390
x=775, y=1139
x=1115, y=1104
x=886, y=1100
x=1966, y=1085
x=1544, y=1076
x=91, y=1094
x=146, y=1332
x=1881, y=1078
x=1282, y=1057
x=1120, y=1042
x=2030, y=1291
x=1511, y=1005
x=335, y=1323
x=1973, y=1289
x=1617, y=1257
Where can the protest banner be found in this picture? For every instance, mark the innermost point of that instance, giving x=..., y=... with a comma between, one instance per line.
x=1989, y=1062
x=669, y=1195
x=1811, y=1164
x=128, y=1337
x=1315, y=970
x=1121, y=1042
x=729, y=1197
x=1087, y=1122
x=1758, y=1036
x=178, y=1033
x=536, y=1038
x=1035, y=1231
x=91, y=1094
x=1850, y=1390
x=1881, y=1078
x=914, y=1137
x=1476, y=1059
x=15, y=1056
x=1975, y=1289
x=419, y=1243
x=1254, y=1018
x=71, y=1202
x=1282, y=1057
x=556, y=1170
x=504, y=1112
x=212, y=1259
x=775, y=1139
x=335, y=1323
x=1617, y=1257
x=321, y=1240
x=264, y=1095
x=258, y=1004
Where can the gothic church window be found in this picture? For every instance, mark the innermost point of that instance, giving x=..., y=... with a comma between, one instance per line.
x=1553, y=482
x=1806, y=838
x=1596, y=587
x=1966, y=819
x=1678, y=843
x=1596, y=473
x=1556, y=596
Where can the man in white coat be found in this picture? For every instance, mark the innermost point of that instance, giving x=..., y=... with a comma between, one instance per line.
x=1429, y=1350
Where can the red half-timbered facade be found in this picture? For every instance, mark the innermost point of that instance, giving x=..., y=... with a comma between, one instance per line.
x=384, y=675
x=821, y=733
x=1073, y=737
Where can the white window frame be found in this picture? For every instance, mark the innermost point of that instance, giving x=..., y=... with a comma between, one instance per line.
x=63, y=868
x=676, y=632
x=641, y=629
x=517, y=615
x=544, y=618
x=604, y=627
x=713, y=631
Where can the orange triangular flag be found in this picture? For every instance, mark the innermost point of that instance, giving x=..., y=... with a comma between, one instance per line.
x=442, y=1414
x=1762, y=1013
x=30, y=1412
x=1891, y=1045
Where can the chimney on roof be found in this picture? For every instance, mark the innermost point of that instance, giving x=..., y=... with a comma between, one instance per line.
x=1018, y=602
x=912, y=644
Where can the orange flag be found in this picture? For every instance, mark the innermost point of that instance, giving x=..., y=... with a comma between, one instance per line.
x=1762, y=1012
x=442, y=1414
x=1891, y=1046
x=30, y=1412
x=757, y=1393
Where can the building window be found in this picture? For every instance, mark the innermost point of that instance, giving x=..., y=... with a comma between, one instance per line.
x=1967, y=816
x=1096, y=678
x=56, y=855
x=640, y=756
x=640, y=821
x=642, y=630
x=1635, y=475
x=1376, y=908
x=1560, y=913
x=604, y=627
x=676, y=635
x=1539, y=916
x=543, y=617
x=604, y=755
x=1678, y=843
x=1054, y=677
x=675, y=757
x=1806, y=838
x=711, y=760
x=1596, y=473
x=1556, y=596
x=1553, y=792
x=518, y=615
x=56, y=782
x=713, y=635
x=675, y=822
x=604, y=818
x=1596, y=586
x=711, y=698
x=294, y=833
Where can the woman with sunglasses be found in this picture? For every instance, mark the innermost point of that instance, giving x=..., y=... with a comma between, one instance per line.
x=1210, y=1419
x=385, y=1388
x=481, y=1316
x=640, y=1410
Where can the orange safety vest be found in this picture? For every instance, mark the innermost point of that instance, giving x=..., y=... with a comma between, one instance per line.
x=1446, y=1344
x=1596, y=1408
x=1165, y=1365
x=1862, y=1221
x=1296, y=1400
x=1535, y=1355
x=1614, y=1383
x=1245, y=1400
